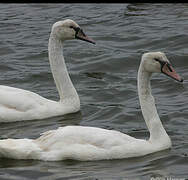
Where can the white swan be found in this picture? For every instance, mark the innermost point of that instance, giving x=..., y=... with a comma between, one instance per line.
x=90, y=143
x=18, y=104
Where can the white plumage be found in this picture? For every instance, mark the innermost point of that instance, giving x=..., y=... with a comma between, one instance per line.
x=18, y=104
x=90, y=143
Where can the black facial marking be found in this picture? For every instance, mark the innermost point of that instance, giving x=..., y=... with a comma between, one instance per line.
x=163, y=63
x=75, y=28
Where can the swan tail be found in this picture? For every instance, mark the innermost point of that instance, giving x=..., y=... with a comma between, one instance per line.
x=19, y=149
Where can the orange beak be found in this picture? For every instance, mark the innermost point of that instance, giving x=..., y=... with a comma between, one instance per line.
x=82, y=36
x=169, y=71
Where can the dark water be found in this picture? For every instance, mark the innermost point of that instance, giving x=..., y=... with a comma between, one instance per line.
x=105, y=78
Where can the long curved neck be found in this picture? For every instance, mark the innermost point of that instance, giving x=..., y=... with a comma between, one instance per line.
x=58, y=67
x=149, y=111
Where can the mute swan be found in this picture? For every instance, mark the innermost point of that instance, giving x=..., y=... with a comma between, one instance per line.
x=18, y=104
x=91, y=143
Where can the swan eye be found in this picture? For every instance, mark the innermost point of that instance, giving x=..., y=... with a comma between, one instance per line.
x=75, y=28
x=157, y=60
x=161, y=62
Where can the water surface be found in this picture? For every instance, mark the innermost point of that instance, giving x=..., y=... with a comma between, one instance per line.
x=105, y=76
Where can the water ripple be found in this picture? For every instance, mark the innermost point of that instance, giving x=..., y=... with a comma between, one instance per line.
x=105, y=76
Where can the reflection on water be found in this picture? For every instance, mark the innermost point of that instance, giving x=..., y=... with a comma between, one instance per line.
x=105, y=76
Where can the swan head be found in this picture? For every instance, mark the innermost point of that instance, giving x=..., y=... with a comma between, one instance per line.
x=159, y=63
x=68, y=29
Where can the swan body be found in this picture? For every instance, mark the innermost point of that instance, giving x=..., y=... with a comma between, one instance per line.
x=90, y=143
x=18, y=104
x=79, y=143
